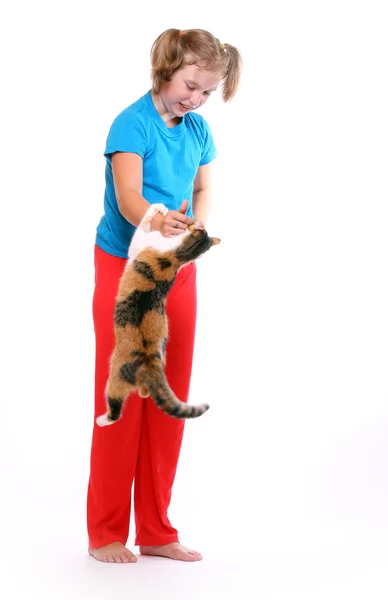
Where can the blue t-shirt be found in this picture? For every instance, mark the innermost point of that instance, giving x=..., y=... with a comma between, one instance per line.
x=171, y=158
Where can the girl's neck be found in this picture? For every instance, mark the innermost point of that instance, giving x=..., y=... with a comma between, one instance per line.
x=169, y=119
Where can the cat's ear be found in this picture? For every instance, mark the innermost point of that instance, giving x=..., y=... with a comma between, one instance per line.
x=199, y=225
x=215, y=241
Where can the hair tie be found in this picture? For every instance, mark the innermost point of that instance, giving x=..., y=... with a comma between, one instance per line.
x=180, y=33
x=222, y=45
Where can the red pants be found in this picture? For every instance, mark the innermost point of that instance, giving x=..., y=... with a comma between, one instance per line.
x=144, y=445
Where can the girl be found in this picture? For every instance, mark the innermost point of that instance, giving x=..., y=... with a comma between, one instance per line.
x=158, y=150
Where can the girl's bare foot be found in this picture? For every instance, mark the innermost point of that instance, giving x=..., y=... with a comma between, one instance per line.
x=174, y=550
x=115, y=552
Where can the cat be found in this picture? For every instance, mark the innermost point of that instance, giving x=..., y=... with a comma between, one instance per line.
x=140, y=321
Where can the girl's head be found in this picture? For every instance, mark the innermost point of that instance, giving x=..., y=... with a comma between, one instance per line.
x=175, y=50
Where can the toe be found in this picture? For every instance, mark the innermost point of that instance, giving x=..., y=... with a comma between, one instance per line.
x=129, y=556
x=196, y=555
x=192, y=558
x=185, y=555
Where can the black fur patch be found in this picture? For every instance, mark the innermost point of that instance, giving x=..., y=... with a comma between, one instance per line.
x=175, y=410
x=159, y=399
x=138, y=354
x=144, y=269
x=115, y=405
x=134, y=307
x=193, y=247
x=163, y=287
x=128, y=371
x=164, y=263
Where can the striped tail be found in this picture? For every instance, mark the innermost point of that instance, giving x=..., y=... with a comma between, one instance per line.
x=152, y=376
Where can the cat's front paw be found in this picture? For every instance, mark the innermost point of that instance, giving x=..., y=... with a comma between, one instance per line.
x=103, y=420
x=153, y=210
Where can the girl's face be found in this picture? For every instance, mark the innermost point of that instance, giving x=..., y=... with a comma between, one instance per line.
x=189, y=88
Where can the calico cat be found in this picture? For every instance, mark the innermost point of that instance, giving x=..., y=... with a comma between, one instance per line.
x=140, y=321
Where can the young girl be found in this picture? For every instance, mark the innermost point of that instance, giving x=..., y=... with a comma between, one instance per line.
x=157, y=150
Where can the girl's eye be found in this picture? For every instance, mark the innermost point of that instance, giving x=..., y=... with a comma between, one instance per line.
x=190, y=88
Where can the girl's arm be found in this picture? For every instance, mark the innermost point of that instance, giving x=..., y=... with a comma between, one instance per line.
x=202, y=194
x=127, y=171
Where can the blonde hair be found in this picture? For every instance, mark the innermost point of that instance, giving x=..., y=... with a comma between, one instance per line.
x=173, y=49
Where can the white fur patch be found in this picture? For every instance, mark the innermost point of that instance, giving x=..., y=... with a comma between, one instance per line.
x=154, y=209
x=145, y=238
x=103, y=420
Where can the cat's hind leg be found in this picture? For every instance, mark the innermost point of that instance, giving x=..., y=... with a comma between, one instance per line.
x=143, y=391
x=117, y=390
x=114, y=412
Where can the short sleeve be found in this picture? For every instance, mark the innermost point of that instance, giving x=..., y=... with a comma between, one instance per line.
x=209, y=151
x=127, y=134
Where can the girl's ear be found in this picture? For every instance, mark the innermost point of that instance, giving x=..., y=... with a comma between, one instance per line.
x=199, y=225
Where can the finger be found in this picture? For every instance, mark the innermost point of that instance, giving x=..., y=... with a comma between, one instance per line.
x=182, y=219
x=179, y=225
x=177, y=230
x=184, y=206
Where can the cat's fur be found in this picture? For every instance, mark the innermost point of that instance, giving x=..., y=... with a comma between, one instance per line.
x=140, y=321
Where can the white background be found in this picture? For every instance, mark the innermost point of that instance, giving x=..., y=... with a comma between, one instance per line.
x=283, y=484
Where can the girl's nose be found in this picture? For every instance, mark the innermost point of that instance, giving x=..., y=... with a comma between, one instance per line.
x=195, y=98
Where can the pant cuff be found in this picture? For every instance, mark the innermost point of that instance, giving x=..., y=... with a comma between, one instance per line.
x=155, y=541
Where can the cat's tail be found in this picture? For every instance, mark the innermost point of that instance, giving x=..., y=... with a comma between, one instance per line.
x=152, y=376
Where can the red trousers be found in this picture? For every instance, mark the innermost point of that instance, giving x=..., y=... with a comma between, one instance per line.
x=144, y=445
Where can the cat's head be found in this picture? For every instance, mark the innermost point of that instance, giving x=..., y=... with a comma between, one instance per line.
x=195, y=242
